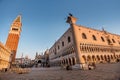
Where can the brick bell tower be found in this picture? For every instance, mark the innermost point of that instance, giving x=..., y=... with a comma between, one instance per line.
x=13, y=36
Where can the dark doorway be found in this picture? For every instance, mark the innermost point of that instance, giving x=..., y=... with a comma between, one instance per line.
x=39, y=61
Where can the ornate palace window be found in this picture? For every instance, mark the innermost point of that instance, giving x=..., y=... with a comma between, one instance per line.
x=113, y=40
x=62, y=43
x=102, y=39
x=94, y=38
x=109, y=42
x=84, y=36
x=69, y=39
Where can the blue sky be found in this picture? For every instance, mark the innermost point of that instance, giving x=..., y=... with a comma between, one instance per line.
x=43, y=21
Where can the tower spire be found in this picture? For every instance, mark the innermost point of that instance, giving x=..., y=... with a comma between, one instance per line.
x=18, y=19
x=17, y=22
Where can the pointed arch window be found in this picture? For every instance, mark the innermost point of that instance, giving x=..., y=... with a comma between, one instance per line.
x=94, y=38
x=69, y=39
x=113, y=40
x=84, y=36
x=102, y=39
x=109, y=42
x=62, y=43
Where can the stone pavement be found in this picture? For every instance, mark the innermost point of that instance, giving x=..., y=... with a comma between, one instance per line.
x=102, y=72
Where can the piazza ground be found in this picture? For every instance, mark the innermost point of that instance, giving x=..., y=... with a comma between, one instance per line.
x=102, y=72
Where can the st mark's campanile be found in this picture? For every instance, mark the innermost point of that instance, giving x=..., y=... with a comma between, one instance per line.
x=13, y=36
